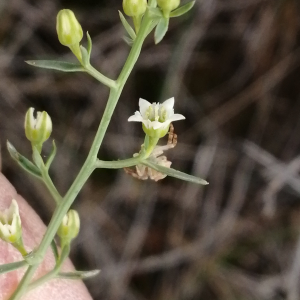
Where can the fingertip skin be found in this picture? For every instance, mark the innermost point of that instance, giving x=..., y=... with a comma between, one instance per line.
x=33, y=231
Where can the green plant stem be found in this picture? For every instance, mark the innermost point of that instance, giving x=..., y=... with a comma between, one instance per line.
x=12, y=266
x=152, y=142
x=20, y=247
x=89, y=164
x=100, y=77
x=137, y=22
x=76, y=51
x=51, y=187
x=50, y=275
x=125, y=163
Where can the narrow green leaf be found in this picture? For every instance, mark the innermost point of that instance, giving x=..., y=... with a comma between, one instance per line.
x=54, y=250
x=182, y=10
x=127, y=26
x=161, y=29
x=26, y=164
x=12, y=266
x=90, y=44
x=51, y=156
x=174, y=173
x=78, y=274
x=128, y=40
x=56, y=65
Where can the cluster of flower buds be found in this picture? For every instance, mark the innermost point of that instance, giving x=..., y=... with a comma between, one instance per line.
x=69, y=227
x=69, y=31
x=37, y=130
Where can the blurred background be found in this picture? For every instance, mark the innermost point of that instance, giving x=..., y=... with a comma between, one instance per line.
x=233, y=67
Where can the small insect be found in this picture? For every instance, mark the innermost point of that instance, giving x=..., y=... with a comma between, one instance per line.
x=143, y=172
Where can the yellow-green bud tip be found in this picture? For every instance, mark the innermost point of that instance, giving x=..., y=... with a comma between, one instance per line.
x=69, y=227
x=68, y=29
x=134, y=8
x=168, y=5
x=37, y=130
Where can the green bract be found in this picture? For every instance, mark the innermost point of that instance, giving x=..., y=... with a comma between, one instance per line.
x=68, y=29
x=69, y=227
x=134, y=8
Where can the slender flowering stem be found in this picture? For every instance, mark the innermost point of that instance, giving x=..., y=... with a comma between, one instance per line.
x=100, y=77
x=90, y=162
x=51, y=187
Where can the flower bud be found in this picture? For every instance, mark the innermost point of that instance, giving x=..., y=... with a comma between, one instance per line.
x=68, y=29
x=37, y=129
x=10, y=224
x=168, y=5
x=134, y=8
x=69, y=227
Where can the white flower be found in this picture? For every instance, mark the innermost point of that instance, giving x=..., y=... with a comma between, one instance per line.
x=10, y=223
x=156, y=117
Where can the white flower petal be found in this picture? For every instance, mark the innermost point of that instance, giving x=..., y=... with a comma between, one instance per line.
x=14, y=207
x=15, y=224
x=168, y=104
x=4, y=230
x=143, y=104
x=31, y=121
x=136, y=117
x=176, y=117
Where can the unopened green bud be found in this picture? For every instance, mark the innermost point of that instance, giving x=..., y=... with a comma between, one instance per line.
x=37, y=129
x=10, y=224
x=69, y=227
x=68, y=29
x=168, y=5
x=134, y=8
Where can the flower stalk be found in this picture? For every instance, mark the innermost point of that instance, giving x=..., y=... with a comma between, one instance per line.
x=156, y=119
x=90, y=162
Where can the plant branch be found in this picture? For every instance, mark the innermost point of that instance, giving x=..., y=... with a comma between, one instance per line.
x=89, y=165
